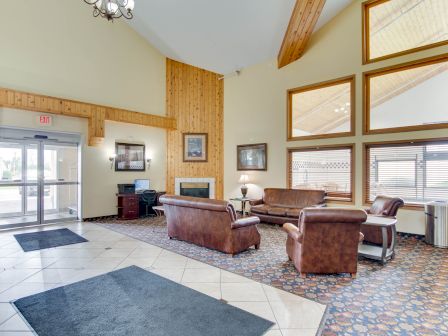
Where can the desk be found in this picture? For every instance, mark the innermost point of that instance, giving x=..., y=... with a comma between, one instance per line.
x=381, y=253
x=243, y=201
x=130, y=206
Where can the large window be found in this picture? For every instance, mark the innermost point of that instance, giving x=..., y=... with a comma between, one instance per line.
x=328, y=168
x=397, y=27
x=414, y=171
x=322, y=110
x=407, y=97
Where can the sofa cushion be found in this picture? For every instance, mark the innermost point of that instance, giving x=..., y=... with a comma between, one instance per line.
x=277, y=211
x=261, y=209
x=293, y=212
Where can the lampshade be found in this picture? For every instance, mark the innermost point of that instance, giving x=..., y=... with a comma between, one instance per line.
x=244, y=179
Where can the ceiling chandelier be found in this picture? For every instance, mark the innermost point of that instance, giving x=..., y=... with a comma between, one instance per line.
x=112, y=9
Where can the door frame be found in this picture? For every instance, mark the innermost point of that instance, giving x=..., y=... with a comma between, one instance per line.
x=42, y=138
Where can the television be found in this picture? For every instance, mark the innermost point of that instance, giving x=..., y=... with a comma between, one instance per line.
x=141, y=186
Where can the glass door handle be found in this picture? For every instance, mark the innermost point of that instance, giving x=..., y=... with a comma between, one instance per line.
x=61, y=180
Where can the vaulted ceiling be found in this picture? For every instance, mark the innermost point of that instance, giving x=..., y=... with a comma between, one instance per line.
x=221, y=36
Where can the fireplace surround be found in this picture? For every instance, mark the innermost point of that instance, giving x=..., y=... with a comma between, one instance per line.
x=195, y=186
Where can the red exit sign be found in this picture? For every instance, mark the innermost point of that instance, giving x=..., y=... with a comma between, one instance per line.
x=45, y=120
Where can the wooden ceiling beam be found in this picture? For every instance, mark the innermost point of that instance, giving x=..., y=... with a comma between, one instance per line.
x=301, y=25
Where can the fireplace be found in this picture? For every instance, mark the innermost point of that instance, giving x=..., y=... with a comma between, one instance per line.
x=195, y=189
x=195, y=186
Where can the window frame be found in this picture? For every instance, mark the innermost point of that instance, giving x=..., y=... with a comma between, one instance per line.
x=366, y=163
x=350, y=146
x=351, y=79
x=366, y=37
x=366, y=76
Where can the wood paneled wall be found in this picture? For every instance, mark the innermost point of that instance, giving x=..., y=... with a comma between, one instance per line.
x=195, y=100
x=97, y=114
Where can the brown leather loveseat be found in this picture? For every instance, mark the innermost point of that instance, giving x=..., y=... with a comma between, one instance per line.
x=326, y=240
x=209, y=223
x=280, y=206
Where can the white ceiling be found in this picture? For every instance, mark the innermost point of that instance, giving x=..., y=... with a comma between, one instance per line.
x=220, y=35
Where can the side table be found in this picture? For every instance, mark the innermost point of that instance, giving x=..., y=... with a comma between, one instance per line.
x=244, y=201
x=381, y=253
x=159, y=210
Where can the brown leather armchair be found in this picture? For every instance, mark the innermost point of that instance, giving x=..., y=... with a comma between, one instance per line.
x=382, y=206
x=209, y=223
x=326, y=240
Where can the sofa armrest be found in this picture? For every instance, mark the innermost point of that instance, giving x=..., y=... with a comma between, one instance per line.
x=293, y=232
x=246, y=221
x=256, y=202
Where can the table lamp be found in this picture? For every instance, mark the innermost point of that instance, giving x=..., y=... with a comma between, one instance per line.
x=244, y=179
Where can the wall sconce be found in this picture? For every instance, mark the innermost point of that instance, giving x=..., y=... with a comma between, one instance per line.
x=112, y=160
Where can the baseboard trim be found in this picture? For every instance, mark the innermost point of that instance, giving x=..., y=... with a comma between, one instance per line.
x=99, y=218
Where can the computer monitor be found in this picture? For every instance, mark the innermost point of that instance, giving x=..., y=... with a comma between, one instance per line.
x=141, y=185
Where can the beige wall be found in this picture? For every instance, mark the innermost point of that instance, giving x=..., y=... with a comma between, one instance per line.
x=255, y=106
x=56, y=48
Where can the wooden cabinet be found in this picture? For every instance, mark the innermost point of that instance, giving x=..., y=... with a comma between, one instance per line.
x=128, y=206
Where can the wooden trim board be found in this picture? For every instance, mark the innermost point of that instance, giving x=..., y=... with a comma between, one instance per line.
x=96, y=114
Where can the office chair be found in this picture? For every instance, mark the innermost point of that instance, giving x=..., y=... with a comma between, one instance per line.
x=149, y=198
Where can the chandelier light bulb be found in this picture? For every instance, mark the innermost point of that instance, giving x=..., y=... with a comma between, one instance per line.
x=111, y=8
x=130, y=4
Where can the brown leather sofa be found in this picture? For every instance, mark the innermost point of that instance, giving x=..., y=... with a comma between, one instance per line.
x=209, y=223
x=381, y=206
x=280, y=206
x=326, y=240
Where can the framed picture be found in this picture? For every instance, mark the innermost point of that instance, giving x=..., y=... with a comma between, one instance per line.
x=195, y=147
x=252, y=157
x=129, y=157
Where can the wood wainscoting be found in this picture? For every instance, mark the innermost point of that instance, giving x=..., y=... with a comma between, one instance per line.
x=195, y=99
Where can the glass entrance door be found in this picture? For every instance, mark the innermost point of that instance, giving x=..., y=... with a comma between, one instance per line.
x=38, y=182
x=60, y=187
x=18, y=183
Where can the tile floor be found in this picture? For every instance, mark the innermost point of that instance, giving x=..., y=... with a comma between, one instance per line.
x=23, y=274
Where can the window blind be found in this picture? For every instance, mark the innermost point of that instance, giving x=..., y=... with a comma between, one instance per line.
x=416, y=172
x=328, y=169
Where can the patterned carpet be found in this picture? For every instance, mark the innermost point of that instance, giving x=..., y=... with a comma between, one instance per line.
x=407, y=296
